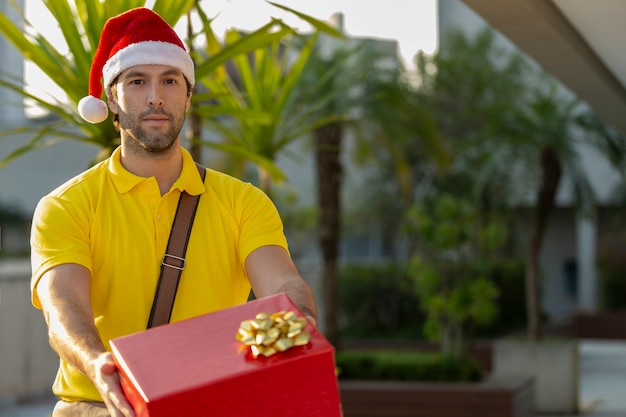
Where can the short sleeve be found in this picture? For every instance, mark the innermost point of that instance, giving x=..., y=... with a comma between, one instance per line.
x=259, y=220
x=59, y=235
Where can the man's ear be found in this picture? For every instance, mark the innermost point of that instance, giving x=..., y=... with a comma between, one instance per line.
x=113, y=106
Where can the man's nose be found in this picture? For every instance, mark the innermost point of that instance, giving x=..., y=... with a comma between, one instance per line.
x=155, y=97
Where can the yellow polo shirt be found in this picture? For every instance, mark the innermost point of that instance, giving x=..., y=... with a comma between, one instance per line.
x=117, y=225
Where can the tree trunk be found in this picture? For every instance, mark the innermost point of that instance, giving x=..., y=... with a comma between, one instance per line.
x=265, y=182
x=551, y=176
x=194, y=135
x=194, y=131
x=329, y=173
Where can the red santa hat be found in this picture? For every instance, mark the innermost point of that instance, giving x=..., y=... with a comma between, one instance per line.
x=136, y=37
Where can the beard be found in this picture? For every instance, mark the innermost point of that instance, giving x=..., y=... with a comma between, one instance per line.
x=155, y=142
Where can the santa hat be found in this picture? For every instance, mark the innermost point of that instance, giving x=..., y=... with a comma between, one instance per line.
x=136, y=37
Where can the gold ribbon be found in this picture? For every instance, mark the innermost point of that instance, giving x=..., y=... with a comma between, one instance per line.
x=268, y=334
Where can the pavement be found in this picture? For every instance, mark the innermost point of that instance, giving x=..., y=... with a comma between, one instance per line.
x=602, y=378
x=40, y=407
x=602, y=384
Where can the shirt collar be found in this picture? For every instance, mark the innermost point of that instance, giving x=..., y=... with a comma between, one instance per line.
x=189, y=179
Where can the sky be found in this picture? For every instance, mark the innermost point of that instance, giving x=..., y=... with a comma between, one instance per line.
x=413, y=23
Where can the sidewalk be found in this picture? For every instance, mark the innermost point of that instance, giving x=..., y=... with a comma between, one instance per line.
x=39, y=408
x=602, y=385
x=603, y=378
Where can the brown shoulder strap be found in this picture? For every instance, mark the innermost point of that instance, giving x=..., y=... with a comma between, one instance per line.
x=173, y=261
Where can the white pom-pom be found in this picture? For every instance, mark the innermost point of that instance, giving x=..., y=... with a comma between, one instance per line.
x=93, y=109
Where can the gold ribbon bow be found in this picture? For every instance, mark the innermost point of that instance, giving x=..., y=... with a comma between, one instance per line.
x=268, y=333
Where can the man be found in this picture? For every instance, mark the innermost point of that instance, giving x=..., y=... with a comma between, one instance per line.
x=98, y=240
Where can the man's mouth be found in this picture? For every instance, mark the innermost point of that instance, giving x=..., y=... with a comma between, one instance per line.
x=155, y=119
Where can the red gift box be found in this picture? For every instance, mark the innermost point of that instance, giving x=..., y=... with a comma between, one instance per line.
x=196, y=367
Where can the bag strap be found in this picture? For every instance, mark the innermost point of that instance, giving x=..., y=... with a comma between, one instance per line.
x=173, y=261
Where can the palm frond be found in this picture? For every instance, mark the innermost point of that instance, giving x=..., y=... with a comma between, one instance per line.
x=317, y=24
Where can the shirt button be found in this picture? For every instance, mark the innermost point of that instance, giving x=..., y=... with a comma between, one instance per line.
x=158, y=216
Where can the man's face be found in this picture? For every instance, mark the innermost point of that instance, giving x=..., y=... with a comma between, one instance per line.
x=151, y=103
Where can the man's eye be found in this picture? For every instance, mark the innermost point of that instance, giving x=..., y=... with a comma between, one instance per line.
x=136, y=82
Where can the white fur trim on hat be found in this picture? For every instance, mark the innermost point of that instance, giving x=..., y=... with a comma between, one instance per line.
x=148, y=53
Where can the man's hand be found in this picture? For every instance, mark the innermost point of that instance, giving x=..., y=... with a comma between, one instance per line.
x=311, y=320
x=107, y=382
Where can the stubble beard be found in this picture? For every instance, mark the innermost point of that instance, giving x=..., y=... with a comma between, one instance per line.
x=157, y=143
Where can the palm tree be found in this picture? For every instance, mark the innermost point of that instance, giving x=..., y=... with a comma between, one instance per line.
x=554, y=126
x=337, y=82
x=328, y=179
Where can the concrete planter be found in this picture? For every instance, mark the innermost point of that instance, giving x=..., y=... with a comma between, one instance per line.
x=554, y=366
x=494, y=397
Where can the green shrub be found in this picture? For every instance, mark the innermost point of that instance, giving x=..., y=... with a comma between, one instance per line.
x=377, y=300
x=508, y=276
x=406, y=366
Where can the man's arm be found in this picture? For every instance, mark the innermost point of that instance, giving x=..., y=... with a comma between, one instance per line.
x=65, y=295
x=271, y=270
